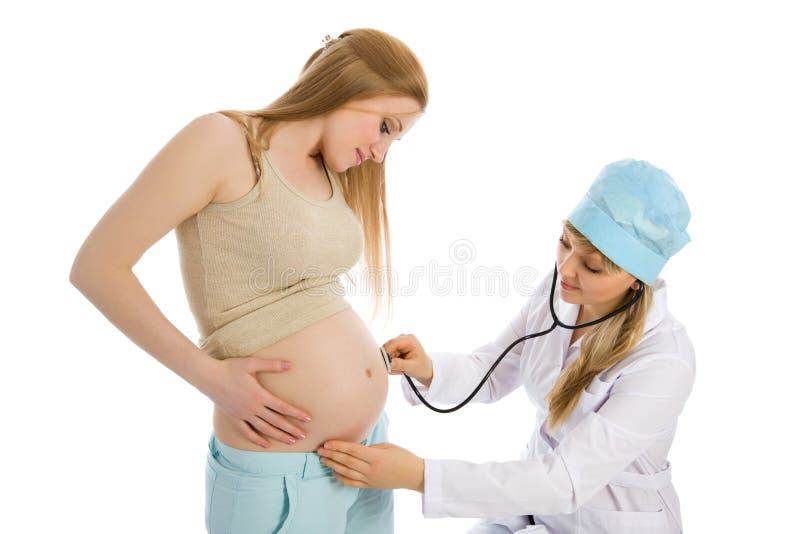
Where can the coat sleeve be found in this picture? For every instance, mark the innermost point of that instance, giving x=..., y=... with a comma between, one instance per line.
x=643, y=406
x=456, y=375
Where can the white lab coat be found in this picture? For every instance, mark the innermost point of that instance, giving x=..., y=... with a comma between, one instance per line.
x=605, y=469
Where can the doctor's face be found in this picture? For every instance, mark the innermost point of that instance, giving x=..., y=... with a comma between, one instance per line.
x=586, y=279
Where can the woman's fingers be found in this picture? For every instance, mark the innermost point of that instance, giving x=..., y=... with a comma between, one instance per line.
x=391, y=347
x=252, y=435
x=260, y=414
x=266, y=428
x=350, y=482
x=351, y=464
x=404, y=347
x=409, y=358
x=282, y=407
x=280, y=426
x=402, y=344
x=345, y=471
x=400, y=366
x=262, y=365
x=259, y=365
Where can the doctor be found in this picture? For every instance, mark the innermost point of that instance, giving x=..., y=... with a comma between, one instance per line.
x=608, y=397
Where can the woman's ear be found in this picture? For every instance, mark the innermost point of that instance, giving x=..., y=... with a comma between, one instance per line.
x=636, y=285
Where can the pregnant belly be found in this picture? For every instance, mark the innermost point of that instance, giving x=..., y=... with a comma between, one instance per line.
x=337, y=376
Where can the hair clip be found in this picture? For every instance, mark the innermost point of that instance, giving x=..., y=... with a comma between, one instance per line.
x=327, y=42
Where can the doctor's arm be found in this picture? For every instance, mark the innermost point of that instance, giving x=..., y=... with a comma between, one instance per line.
x=643, y=407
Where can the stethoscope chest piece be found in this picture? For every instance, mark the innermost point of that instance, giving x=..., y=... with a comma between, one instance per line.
x=386, y=360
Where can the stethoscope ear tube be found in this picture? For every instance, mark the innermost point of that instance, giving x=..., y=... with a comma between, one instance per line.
x=556, y=323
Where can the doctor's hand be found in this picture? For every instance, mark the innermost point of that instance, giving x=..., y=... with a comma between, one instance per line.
x=382, y=466
x=258, y=413
x=408, y=357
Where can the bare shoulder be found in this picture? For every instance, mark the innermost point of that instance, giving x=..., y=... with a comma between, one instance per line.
x=215, y=128
x=212, y=151
x=216, y=135
x=203, y=159
x=200, y=159
x=237, y=173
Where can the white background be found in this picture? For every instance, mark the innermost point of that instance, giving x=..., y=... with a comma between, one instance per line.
x=528, y=102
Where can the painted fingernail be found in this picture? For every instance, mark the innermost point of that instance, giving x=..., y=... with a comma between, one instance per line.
x=307, y=419
x=302, y=436
x=285, y=365
x=290, y=441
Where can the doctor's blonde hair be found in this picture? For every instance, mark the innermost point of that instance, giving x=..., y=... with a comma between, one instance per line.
x=608, y=344
x=359, y=64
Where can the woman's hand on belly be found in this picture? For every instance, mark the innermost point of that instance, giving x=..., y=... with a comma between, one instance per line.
x=258, y=414
x=338, y=375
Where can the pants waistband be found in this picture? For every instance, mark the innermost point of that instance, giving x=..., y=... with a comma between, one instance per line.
x=301, y=464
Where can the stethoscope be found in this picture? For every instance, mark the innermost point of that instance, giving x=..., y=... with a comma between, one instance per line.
x=556, y=322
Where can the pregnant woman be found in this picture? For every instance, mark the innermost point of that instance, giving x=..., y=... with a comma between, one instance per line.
x=270, y=207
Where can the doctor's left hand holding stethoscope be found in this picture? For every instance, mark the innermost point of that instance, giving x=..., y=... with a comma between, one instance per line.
x=607, y=395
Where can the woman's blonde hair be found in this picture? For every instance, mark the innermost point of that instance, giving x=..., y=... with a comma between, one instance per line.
x=360, y=64
x=610, y=342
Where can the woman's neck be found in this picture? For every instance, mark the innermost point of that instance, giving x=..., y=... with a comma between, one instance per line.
x=299, y=140
x=592, y=312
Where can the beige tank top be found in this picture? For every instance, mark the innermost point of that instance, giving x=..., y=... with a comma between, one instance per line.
x=266, y=265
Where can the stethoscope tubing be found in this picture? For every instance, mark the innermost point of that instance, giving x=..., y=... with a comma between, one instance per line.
x=556, y=323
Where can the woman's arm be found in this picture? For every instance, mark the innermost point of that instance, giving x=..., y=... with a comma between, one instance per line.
x=182, y=179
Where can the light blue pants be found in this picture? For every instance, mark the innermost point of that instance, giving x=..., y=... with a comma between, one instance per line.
x=289, y=492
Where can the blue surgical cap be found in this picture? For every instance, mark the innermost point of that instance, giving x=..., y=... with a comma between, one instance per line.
x=635, y=215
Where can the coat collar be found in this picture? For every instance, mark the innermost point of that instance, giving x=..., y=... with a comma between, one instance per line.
x=658, y=308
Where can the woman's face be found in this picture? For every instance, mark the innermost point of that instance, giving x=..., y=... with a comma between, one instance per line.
x=583, y=280
x=364, y=129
